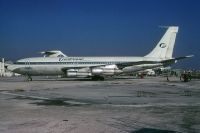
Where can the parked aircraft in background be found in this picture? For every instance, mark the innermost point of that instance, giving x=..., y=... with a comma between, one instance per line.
x=53, y=53
x=57, y=63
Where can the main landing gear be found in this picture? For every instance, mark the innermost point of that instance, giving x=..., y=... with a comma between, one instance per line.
x=29, y=78
x=97, y=78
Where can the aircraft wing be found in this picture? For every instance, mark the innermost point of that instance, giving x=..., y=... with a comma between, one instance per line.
x=168, y=61
x=126, y=64
x=77, y=67
x=119, y=65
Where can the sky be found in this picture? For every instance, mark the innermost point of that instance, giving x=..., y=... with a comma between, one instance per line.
x=98, y=27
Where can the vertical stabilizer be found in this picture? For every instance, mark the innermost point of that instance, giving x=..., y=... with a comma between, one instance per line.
x=165, y=47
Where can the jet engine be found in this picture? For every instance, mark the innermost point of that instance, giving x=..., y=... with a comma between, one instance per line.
x=108, y=70
x=78, y=73
x=101, y=71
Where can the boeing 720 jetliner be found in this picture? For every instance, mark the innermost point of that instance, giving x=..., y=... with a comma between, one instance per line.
x=98, y=67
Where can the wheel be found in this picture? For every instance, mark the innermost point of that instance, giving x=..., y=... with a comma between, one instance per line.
x=97, y=78
x=101, y=78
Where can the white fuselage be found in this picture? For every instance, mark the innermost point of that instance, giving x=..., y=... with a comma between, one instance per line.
x=60, y=66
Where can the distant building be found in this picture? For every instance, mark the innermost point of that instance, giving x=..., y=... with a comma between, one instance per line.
x=2, y=69
x=4, y=72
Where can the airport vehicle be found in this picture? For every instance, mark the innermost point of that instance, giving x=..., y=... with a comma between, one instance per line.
x=99, y=67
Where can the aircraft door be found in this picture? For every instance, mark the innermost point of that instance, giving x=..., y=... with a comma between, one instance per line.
x=27, y=67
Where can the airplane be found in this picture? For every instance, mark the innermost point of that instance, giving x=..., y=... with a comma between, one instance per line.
x=97, y=68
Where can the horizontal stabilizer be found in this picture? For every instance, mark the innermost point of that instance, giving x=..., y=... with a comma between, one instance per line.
x=189, y=56
x=174, y=60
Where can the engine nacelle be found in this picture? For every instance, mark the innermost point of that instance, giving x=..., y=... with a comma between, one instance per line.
x=77, y=73
x=105, y=71
x=97, y=71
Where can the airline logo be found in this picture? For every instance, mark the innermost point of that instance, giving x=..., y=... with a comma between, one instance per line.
x=162, y=45
x=70, y=59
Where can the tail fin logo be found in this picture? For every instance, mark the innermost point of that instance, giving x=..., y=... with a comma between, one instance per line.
x=162, y=45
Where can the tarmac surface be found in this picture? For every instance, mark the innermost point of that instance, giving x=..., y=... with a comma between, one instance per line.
x=150, y=105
